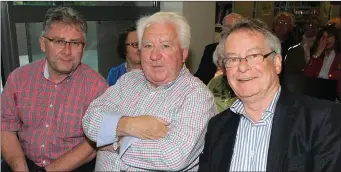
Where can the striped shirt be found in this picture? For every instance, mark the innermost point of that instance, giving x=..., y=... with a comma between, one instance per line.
x=186, y=103
x=252, y=141
x=47, y=116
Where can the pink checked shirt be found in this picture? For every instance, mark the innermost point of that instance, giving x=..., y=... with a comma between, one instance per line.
x=48, y=116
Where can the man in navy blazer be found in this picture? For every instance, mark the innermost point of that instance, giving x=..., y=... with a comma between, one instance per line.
x=268, y=128
x=207, y=68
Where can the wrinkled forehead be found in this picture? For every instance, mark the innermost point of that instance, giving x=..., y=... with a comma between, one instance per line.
x=243, y=41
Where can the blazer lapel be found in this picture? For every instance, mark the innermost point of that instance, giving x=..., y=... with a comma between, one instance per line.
x=283, y=120
x=228, y=136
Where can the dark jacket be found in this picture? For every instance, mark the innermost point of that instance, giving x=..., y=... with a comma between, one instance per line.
x=207, y=68
x=305, y=136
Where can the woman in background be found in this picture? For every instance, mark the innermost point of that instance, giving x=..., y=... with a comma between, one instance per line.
x=127, y=48
x=326, y=60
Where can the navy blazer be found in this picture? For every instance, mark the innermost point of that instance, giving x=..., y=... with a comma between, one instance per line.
x=305, y=136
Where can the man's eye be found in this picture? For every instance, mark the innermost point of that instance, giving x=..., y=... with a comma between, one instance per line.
x=60, y=42
x=147, y=46
x=76, y=43
x=165, y=46
x=232, y=60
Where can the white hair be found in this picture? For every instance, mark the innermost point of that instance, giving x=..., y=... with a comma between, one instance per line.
x=218, y=53
x=182, y=27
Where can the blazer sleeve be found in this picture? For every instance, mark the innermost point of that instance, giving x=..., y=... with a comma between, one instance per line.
x=327, y=148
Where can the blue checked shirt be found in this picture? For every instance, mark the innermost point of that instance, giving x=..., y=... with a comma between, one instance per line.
x=252, y=141
x=186, y=104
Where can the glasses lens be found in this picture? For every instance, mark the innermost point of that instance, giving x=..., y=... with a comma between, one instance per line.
x=135, y=44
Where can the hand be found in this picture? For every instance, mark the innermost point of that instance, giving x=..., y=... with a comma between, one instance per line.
x=321, y=45
x=146, y=127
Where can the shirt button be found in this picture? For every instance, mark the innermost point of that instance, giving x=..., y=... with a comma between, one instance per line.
x=44, y=162
x=51, y=105
x=55, y=86
x=251, y=153
x=47, y=125
x=42, y=145
x=330, y=75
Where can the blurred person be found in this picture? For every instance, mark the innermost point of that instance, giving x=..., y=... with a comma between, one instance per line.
x=335, y=21
x=298, y=55
x=207, y=69
x=127, y=48
x=311, y=29
x=268, y=128
x=43, y=102
x=326, y=61
x=284, y=24
x=153, y=119
x=223, y=94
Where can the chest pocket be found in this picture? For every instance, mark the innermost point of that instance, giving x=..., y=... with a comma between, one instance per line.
x=69, y=122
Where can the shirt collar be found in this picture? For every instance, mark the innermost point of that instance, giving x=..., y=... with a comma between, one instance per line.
x=238, y=107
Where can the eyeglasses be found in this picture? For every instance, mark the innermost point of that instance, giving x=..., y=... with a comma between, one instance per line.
x=59, y=43
x=134, y=44
x=282, y=22
x=251, y=59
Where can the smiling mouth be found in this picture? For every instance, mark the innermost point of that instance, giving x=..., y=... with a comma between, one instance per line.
x=246, y=79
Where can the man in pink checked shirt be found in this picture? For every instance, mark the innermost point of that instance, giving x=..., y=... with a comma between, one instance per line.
x=154, y=118
x=43, y=102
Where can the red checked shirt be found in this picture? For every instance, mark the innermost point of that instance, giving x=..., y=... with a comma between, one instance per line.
x=48, y=116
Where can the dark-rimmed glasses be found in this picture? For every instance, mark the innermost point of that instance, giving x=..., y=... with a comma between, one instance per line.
x=133, y=44
x=59, y=43
x=251, y=59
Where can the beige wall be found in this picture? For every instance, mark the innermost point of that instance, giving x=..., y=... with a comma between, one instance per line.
x=335, y=11
x=200, y=16
x=266, y=16
x=244, y=8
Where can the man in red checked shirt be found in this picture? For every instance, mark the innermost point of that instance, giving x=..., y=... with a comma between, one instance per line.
x=43, y=103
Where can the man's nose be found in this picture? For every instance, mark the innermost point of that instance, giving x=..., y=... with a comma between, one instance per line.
x=67, y=49
x=155, y=54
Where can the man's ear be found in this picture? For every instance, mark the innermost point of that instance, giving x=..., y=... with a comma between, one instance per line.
x=278, y=63
x=184, y=54
x=42, y=44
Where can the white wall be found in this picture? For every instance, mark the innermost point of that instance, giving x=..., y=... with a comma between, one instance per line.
x=201, y=18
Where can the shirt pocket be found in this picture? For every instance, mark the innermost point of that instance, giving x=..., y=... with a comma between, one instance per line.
x=69, y=122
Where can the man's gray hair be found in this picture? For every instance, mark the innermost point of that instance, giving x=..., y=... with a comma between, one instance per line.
x=182, y=27
x=65, y=15
x=219, y=51
x=256, y=25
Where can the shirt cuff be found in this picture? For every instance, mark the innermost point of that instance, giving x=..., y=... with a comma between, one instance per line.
x=126, y=143
x=107, y=130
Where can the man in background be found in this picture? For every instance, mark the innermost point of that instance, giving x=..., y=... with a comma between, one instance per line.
x=207, y=68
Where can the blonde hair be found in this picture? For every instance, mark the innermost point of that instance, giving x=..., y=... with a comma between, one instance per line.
x=182, y=27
